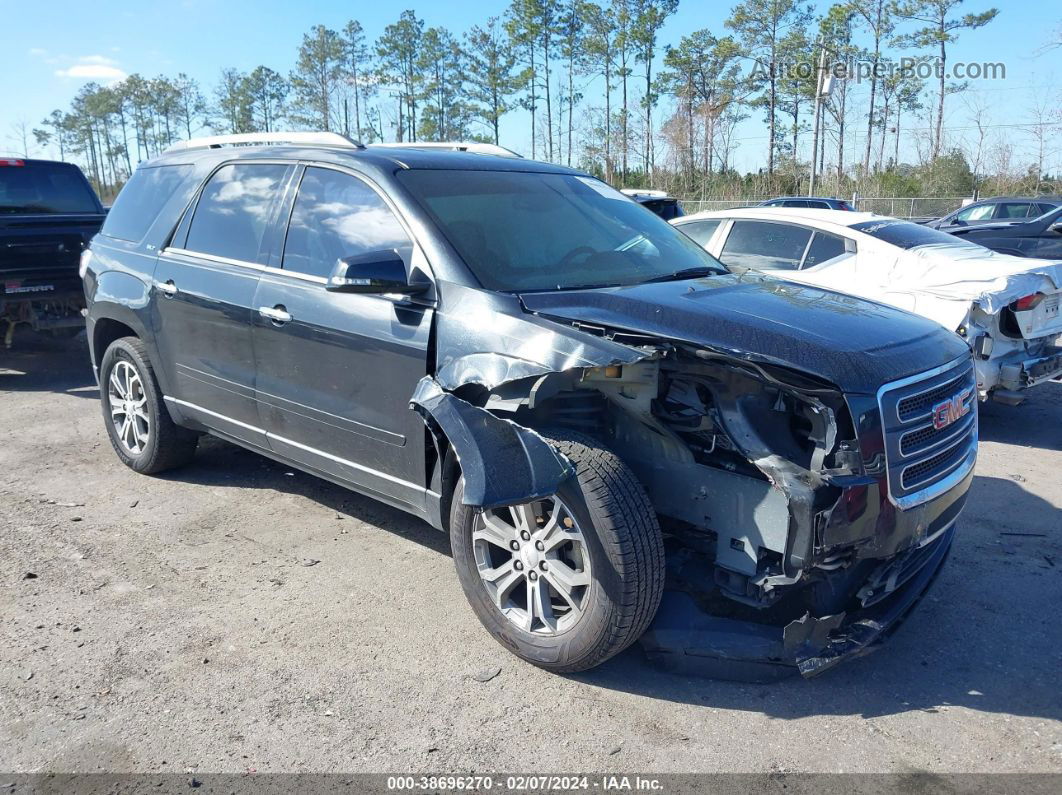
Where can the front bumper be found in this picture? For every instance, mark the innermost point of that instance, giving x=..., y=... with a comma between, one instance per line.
x=685, y=639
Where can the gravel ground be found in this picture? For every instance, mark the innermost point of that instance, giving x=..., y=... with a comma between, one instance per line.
x=236, y=616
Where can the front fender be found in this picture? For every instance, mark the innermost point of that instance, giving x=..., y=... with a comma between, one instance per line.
x=503, y=463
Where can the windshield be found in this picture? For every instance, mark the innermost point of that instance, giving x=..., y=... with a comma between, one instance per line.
x=524, y=231
x=906, y=234
x=44, y=188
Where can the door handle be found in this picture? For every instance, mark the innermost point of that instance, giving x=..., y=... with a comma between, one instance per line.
x=278, y=314
x=167, y=288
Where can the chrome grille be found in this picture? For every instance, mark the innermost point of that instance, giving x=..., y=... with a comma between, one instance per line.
x=921, y=457
x=921, y=403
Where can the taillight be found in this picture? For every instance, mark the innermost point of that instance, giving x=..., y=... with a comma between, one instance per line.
x=1028, y=302
x=10, y=161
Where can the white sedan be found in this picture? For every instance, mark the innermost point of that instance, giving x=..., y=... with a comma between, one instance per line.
x=1007, y=308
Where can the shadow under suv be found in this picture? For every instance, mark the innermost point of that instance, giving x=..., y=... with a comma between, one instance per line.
x=610, y=425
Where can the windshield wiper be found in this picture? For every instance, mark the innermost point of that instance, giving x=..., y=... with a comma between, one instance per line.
x=686, y=273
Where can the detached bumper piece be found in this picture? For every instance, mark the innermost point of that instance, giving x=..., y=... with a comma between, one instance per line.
x=1038, y=370
x=685, y=639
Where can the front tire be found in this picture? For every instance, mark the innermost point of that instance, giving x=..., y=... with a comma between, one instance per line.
x=140, y=428
x=568, y=581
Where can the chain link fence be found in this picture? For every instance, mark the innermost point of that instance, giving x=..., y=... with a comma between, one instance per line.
x=896, y=206
x=909, y=206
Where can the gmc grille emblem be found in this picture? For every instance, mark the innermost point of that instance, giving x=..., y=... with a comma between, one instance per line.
x=954, y=408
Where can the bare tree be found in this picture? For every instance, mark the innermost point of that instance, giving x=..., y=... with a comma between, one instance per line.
x=21, y=131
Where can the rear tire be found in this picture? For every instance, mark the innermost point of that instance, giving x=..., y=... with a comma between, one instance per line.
x=615, y=559
x=140, y=428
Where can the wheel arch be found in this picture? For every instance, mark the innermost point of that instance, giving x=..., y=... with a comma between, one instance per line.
x=107, y=322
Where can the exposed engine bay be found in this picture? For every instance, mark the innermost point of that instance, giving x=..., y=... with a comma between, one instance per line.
x=745, y=463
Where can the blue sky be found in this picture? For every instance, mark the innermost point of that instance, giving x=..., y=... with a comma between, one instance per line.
x=49, y=49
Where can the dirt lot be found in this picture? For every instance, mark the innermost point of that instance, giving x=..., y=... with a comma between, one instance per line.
x=235, y=615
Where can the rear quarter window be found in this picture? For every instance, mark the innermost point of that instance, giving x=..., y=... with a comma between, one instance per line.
x=141, y=199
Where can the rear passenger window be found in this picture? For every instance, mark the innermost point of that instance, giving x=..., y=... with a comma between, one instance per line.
x=336, y=216
x=1013, y=210
x=141, y=200
x=700, y=231
x=233, y=211
x=765, y=246
x=824, y=247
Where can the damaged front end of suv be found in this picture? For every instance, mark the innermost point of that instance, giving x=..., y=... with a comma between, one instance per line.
x=805, y=507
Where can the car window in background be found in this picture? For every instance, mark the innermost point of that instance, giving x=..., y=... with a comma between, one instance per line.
x=979, y=212
x=337, y=215
x=818, y=205
x=701, y=231
x=537, y=231
x=46, y=188
x=1014, y=210
x=824, y=246
x=1042, y=209
x=141, y=199
x=667, y=209
x=906, y=234
x=763, y=245
x=233, y=211
x=795, y=203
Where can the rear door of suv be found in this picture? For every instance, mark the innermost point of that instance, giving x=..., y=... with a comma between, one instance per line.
x=335, y=371
x=205, y=283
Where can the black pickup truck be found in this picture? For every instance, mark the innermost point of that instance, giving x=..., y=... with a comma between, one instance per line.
x=48, y=214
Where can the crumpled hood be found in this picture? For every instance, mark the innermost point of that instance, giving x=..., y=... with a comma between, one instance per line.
x=850, y=342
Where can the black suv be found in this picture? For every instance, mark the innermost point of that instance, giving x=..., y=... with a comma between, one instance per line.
x=589, y=389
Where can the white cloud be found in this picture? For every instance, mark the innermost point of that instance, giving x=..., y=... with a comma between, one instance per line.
x=37, y=52
x=92, y=72
x=102, y=60
x=93, y=67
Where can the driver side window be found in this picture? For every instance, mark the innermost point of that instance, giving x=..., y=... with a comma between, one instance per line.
x=337, y=215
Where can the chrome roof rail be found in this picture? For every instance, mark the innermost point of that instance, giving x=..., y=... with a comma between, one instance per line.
x=267, y=138
x=457, y=146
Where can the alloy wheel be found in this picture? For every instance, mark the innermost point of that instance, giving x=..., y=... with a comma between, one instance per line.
x=534, y=562
x=128, y=404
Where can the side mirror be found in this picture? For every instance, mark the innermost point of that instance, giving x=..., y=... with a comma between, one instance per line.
x=373, y=272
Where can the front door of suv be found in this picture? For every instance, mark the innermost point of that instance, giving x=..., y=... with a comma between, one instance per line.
x=335, y=371
x=205, y=283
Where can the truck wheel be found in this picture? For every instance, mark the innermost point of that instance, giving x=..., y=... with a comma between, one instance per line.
x=138, y=424
x=567, y=581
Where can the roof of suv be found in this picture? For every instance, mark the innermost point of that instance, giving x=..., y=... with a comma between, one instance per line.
x=384, y=157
